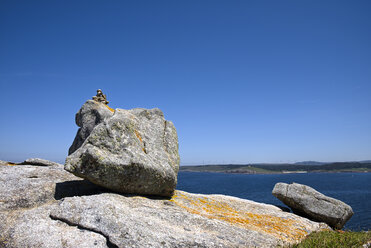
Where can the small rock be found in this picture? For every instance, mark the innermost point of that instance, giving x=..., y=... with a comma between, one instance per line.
x=367, y=245
x=306, y=201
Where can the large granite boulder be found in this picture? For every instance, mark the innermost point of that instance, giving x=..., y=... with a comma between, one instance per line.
x=128, y=151
x=45, y=206
x=310, y=203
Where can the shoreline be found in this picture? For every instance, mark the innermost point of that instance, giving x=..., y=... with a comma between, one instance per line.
x=275, y=173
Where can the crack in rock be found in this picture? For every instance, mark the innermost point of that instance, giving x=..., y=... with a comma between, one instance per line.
x=109, y=243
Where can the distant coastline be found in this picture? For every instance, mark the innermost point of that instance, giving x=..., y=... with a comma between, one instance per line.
x=302, y=167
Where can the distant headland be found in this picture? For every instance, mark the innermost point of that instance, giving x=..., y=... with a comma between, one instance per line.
x=272, y=168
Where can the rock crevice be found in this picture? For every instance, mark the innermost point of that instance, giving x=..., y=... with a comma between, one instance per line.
x=82, y=227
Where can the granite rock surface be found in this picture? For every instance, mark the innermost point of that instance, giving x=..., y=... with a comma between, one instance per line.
x=40, y=162
x=71, y=212
x=2, y=162
x=128, y=151
x=90, y=114
x=310, y=203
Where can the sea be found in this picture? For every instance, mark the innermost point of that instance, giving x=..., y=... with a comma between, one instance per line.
x=351, y=188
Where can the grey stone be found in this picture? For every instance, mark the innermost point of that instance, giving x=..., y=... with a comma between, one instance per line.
x=132, y=151
x=34, y=228
x=3, y=162
x=40, y=162
x=187, y=220
x=91, y=114
x=49, y=207
x=310, y=203
x=26, y=186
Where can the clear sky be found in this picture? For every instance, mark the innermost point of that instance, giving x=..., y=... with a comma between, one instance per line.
x=243, y=81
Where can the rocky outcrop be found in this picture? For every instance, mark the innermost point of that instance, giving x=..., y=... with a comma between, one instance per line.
x=128, y=151
x=71, y=212
x=310, y=203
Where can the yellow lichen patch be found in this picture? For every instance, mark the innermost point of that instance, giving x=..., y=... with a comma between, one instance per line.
x=11, y=164
x=140, y=139
x=110, y=109
x=283, y=228
x=138, y=136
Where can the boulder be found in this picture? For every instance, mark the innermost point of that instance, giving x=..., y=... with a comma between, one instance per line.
x=128, y=151
x=49, y=207
x=310, y=203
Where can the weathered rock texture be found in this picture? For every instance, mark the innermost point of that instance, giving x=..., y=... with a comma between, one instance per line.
x=308, y=202
x=91, y=114
x=128, y=151
x=3, y=162
x=40, y=162
x=48, y=207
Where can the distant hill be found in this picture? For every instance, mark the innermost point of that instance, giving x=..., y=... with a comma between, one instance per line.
x=281, y=168
x=311, y=163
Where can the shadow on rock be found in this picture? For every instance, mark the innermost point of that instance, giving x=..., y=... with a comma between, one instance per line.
x=77, y=188
x=84, y=187
x=285, y=209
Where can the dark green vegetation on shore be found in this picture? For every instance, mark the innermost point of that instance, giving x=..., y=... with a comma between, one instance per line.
x=331, y=239
x=281, y=168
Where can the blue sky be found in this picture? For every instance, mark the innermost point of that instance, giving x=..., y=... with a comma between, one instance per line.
x=243, y=81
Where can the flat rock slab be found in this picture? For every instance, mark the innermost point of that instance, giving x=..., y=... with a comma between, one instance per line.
x=28, y=186
x=40, y=162
x=61, y=210
x=308, y=202
x=186, y=220
x=34, y=228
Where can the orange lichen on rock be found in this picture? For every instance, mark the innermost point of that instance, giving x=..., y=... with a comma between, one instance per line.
x=11, y=164
x=138, y=136
x=283, y=228
x=140, y=139
x=111, y=109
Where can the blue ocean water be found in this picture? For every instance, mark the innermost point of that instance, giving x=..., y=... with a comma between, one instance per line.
x=351, y=188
